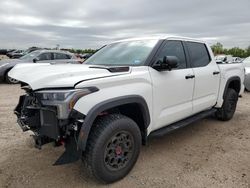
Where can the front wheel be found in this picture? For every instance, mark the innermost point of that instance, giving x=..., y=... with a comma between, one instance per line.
x=113, y=147
x=228, y=108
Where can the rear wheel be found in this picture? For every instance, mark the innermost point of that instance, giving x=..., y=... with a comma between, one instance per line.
x=10, y=80
x=228, y=108
x=113, y=147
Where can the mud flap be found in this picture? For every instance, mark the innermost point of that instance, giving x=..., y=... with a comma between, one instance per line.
x=71, y=153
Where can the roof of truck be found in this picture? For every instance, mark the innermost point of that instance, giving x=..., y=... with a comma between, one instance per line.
x=163, y=37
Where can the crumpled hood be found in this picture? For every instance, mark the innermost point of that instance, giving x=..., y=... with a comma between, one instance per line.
x=42, y=75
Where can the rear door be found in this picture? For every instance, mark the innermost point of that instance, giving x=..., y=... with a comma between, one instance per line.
x=207, y=76
x=172, y=90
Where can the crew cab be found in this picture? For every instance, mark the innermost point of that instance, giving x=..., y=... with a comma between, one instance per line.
x=129, y=91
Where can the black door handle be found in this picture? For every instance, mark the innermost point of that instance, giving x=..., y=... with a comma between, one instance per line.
x=216, y=72
x=189, y=76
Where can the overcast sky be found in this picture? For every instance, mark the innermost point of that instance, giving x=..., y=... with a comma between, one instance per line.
x=92, y=23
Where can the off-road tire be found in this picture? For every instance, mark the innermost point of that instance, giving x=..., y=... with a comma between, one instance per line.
x=228, y=108
x=102, y=136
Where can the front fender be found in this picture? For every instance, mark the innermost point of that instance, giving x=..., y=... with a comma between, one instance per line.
x=108, y=104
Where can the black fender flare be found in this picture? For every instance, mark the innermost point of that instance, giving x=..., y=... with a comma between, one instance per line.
x=234, y=78
x=7, y=70
x=108, y=104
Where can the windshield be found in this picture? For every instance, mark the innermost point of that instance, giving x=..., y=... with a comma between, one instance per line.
x=132, y=53
x=29, y=57
x=247, y=62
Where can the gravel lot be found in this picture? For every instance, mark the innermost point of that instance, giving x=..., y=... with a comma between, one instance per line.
x=3, y=57
x=208, y=153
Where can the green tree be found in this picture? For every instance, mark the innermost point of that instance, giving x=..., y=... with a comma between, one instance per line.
x=248, y=51
x=237, y=52
x=217, y=48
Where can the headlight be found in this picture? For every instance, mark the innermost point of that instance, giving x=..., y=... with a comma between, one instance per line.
x=55, y=96
x=64, y=100
x=3, y=65
x=63, y=95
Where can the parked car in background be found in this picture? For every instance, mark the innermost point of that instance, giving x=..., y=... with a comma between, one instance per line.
x=246, y=64
x=3, y=51
x=224, y=59
x=237, y=60
x=38, y=56
x=31, y=49
x=19, y=53
x=85, y=56
x=15, y=54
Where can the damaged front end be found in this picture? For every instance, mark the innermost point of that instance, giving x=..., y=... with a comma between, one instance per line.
x=49, y=114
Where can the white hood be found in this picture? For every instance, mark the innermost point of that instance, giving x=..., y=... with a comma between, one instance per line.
x=43, y=75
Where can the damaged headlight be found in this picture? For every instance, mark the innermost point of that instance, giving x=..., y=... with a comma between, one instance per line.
x=67, y=96
x=56, y=95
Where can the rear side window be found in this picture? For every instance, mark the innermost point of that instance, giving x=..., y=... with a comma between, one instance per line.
x=61, y=56
x=198, y=54
x=45, y=56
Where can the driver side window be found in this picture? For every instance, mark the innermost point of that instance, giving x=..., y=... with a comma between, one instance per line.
x=174, y=48
x=45, y=57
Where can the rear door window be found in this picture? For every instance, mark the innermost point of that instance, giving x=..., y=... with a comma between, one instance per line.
x=61, y=56
x=45, y=56
x=198, y=54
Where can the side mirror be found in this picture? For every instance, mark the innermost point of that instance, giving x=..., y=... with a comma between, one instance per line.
x=167, y=63
x=35, y=60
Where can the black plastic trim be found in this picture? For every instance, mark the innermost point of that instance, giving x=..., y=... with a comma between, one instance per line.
x=151, y=58
x=92, y=89
x=180, y=124
x=108, y=104
x=54, y=88
x=95, y=79
x=188, y=58
x=112, y=69
x=234, y=78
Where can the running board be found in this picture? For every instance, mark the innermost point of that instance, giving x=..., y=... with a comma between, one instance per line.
x=183, y=123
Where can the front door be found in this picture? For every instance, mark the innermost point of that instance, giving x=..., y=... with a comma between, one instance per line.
x=172, y=90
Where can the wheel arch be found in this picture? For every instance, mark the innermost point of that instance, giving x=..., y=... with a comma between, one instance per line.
x=6, y=72
x=233, y=83
x=114, y=103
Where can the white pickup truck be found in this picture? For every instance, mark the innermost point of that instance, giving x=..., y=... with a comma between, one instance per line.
x=129, y=91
